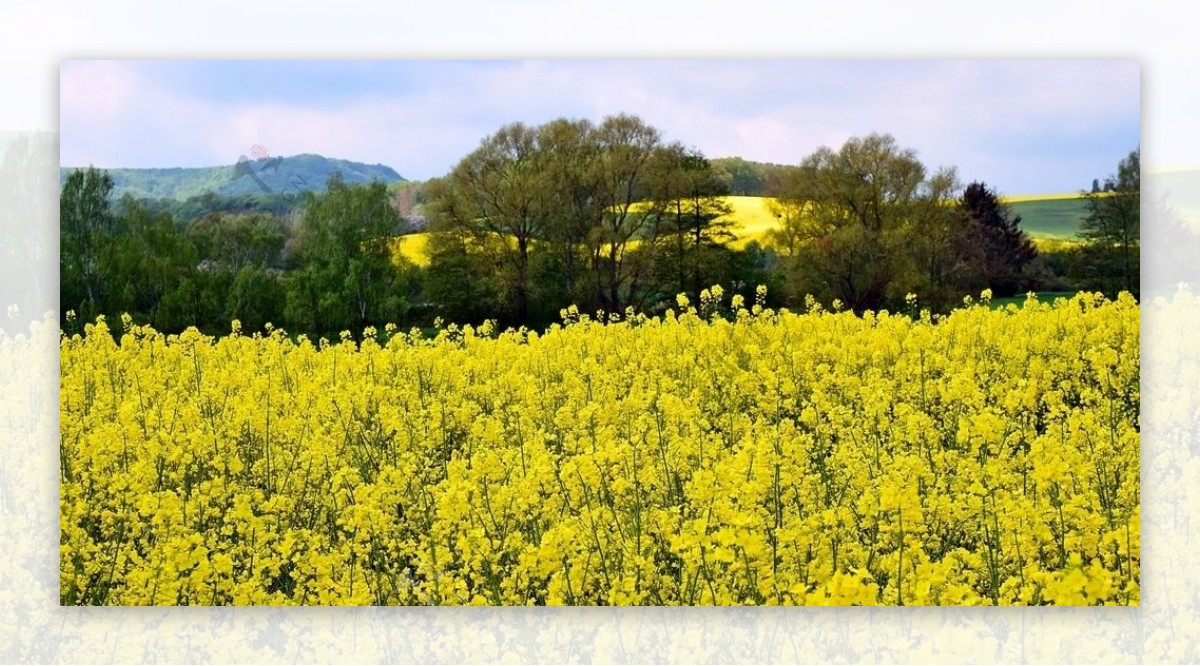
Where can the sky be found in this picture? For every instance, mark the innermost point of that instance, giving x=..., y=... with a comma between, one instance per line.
x=1022, y=126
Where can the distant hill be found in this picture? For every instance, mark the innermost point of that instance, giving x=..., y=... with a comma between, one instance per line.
x=270, y=176
x=1053, y=217
x=747, y=178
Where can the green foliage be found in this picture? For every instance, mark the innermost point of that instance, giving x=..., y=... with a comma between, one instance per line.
x=256, y=298
x=499, y=192
x=746, y=178
x=632, y=168
x=136, y=258
x=692, y=230
x=237, y=241
x=347, y=280
x=460, y=281
x=87, y=227
x=1112, y=229
x=149, y=258
x=866, y=224
x=278, y=204
x=198, y=299
x=995, y=248
x=586, y=194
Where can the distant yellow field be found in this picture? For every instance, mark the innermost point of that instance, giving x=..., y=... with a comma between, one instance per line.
x=754, y=221
x=414, y=247
x=1055, y=244
x=752, y=218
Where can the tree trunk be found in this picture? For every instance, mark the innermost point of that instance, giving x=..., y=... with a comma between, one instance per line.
x=696, y=249
x=680, y=257
x=522, y=280
x=614, y=282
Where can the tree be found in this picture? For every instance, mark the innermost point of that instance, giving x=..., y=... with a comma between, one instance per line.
x=742, y=178
x=1112, y=228
x=499, y=191
x=347, y=278
x=572, y=158
x=87, y=226
x=586, y=193
x=849, y=218
x=149, y=259
x=693, y=217
x=234, y=242
x=632, y=163
x=995, y=245
x=255, y=298
x=198, y=299
x=931, y=259
x=461, y=280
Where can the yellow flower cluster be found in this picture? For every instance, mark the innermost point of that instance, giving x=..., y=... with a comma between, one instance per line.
x=704, y=457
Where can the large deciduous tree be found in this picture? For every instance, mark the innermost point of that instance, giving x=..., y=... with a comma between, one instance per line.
x=235, y=242
x=1112, y=228
x=148, y=260
x=348, y=277
x=849, y=218
x=694, y=219
x=572, y=159
x=631, y=166
x=499, y=192
x=87, y=226
x=565, y=202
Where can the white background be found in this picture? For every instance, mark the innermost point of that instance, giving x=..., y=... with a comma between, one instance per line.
x=35, y=38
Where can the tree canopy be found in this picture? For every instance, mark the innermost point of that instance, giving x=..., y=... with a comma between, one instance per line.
x=579, y=205
x=347, y=279
x=1112, y=228
x=849, y=218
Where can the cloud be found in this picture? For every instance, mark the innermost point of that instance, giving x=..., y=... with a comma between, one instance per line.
x=1025, y=119
x=101, y=88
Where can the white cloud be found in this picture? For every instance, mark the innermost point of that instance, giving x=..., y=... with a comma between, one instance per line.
x=98, y=88
x=117, y=114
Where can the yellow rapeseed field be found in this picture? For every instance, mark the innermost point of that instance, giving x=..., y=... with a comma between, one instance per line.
x=721, y=454
x=751, y=218
x=413, y=247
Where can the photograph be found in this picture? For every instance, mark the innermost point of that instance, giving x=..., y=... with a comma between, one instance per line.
x=601, y=332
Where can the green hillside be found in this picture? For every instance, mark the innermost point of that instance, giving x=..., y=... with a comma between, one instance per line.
x=271, y=176
x=1051, y=218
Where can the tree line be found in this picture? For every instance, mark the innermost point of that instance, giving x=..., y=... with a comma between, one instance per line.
x=325, y=269
x=608, y=216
